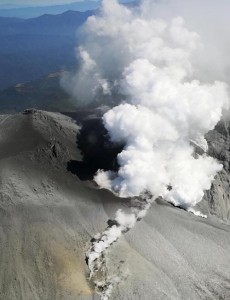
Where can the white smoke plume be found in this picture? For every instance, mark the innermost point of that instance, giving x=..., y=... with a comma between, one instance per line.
x=162, y=64
x=197, y=213
x=101, y=242
x=96, y=254
x=148, y=56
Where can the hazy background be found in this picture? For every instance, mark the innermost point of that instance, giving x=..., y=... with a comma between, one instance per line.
x=27, y=9
x=19, y=3
x=41, y=37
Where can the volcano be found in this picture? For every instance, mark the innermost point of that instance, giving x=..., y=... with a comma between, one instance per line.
x=51, y=209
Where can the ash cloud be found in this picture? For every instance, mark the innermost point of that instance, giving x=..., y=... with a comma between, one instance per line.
x=161, y=64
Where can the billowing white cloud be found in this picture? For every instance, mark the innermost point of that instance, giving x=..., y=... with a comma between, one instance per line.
x=151, y=59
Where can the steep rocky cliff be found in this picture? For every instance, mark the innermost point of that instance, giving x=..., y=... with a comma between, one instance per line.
x=218, y=198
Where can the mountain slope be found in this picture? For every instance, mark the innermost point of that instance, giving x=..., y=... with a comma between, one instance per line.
x=44, y=93
x=32, y=12
x=32, y=48
x=62, y=24
x=48, y=216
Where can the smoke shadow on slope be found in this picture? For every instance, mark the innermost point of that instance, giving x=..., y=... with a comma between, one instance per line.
x=96, y=149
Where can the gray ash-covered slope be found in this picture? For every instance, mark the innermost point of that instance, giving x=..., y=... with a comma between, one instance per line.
x=48, y=216
x=44, y=222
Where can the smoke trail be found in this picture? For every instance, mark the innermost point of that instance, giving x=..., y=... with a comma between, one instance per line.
x=96, y=254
